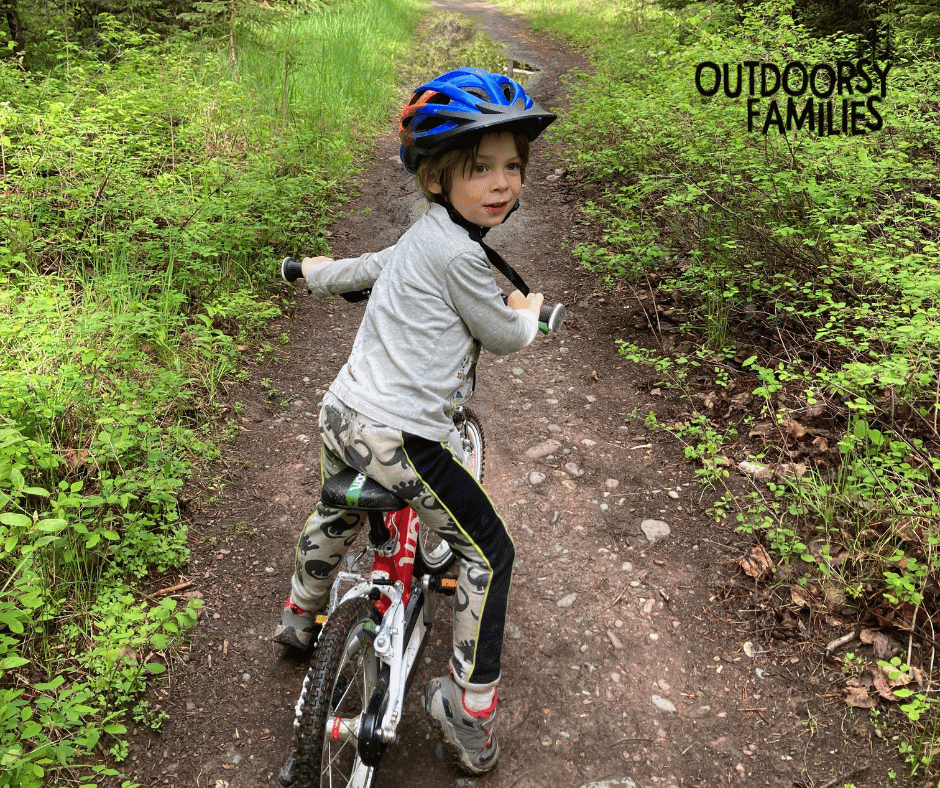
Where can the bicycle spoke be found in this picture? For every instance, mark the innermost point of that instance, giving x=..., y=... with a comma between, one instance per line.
x=346, y=675
x=332, y=767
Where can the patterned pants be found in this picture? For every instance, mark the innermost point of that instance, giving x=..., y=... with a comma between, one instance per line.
x=447, y=498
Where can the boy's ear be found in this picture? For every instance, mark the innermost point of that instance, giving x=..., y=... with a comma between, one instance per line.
x=433, y=186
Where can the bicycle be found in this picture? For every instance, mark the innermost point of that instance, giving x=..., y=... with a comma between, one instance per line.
x=377, y=621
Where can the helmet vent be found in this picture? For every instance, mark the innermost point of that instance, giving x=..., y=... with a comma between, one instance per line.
x=478, y=92
x=429, y=124
x=509, y=92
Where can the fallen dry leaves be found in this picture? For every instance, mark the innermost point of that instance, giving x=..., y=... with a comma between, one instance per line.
x=758, y=564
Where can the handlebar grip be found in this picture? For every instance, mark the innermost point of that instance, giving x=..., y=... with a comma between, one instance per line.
x=551, y=317
x=291, y=270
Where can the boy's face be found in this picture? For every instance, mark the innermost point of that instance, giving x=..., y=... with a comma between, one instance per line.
x=486, y=192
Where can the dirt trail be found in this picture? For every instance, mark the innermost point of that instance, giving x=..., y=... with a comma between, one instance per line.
x=625, y=659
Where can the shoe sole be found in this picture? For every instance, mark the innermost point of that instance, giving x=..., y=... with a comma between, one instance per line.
x=288, y=637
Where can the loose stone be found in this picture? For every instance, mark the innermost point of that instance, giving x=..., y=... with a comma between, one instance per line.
x=542, y=449
x=655, y=530
x=572, y=469
x=664, y=705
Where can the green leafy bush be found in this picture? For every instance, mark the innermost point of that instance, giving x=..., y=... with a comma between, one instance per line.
x=827, y=240
x=146, y=190
x=802, y=264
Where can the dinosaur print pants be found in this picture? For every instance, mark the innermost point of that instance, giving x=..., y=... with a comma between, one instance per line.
x=447, y=498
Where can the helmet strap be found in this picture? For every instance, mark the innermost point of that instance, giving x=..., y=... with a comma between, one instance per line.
x=495, y=258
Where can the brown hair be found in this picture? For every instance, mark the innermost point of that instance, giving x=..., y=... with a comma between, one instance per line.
x=440, y=168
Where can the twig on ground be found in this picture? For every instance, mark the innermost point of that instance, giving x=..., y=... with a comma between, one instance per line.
x=173, y=589
x=624, y=741
x=832, y=645
x=619, y=596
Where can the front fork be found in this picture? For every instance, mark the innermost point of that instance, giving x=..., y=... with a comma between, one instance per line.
x=399, y=643
x=400, y=638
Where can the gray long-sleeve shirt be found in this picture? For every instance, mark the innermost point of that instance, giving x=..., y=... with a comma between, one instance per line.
x=434, y=303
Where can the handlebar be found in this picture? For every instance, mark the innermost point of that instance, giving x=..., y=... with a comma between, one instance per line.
x=551, y=316
x=291, y=271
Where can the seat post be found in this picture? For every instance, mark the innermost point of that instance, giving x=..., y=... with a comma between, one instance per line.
x=379, y=535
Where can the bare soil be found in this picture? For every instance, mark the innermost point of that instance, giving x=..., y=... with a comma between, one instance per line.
x=668, y=668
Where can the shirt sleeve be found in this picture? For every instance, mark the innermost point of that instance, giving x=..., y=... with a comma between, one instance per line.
x=351, y=273
x=475, y=296
x=533, y=321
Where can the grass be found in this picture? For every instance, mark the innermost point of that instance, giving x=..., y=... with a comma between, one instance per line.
x=146, y=197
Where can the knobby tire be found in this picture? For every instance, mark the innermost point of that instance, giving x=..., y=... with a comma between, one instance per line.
x=340, y=684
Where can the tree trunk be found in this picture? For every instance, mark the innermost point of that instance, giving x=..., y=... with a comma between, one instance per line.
x=13, y=23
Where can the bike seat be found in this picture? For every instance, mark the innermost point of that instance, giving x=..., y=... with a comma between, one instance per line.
x=349, y=489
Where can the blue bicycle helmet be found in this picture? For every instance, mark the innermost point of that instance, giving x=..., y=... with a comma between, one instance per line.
x=461, y=102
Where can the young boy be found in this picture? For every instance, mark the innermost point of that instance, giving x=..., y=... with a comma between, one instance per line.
x=434, y=303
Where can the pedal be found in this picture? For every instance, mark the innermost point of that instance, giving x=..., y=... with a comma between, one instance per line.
x=446, y=585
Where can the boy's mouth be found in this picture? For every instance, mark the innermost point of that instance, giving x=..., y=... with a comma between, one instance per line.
x=496, y=207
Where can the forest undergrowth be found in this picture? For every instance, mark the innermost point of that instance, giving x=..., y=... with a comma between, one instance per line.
x=148, y=184
x=771, y=216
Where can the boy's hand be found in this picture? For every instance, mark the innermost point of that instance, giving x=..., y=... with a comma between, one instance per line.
x=532, y=302
x=308, y=263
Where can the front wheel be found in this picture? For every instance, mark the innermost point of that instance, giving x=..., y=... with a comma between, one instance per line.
x=434, y=556
x=336, y=699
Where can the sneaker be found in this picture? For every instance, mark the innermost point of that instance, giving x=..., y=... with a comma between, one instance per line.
x=469, y=734
x=298, y=627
